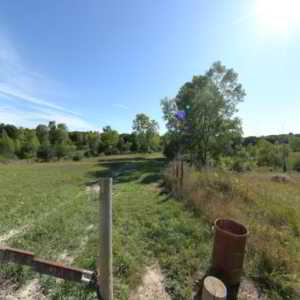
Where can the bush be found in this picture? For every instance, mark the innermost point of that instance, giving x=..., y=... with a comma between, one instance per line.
x=62, y=150
x=77, y=157
x=238, y=166
x=296, y=165
x=45, y=152
x=111, y=151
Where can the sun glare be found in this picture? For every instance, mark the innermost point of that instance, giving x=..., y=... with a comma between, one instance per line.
x=278, y=15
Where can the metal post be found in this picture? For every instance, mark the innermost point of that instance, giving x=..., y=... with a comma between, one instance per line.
x=105, y=280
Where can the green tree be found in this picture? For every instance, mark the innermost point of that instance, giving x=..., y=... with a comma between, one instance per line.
x=62, y=150
x=30, y=145
x=45, y=152
x=294, y=142
x=201, y=118
x=11, y=130
x=146, y=131
x=273, y=155
x=110, y=139
x=7, y=147
x=94, y=140
x=42, y=133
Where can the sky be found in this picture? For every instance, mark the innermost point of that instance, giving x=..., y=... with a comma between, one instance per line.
x=97, y=62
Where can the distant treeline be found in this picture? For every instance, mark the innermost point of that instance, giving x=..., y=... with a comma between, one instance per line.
x=274, y=139
x=55, y=141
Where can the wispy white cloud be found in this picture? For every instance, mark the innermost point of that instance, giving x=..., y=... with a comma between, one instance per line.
x=10, y=92
x=31, y=119
x=120, y=106
x=20, y=84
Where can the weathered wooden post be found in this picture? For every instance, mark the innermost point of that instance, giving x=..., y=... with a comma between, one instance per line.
x=105, y=280
x=181, y=174
x=213, y=289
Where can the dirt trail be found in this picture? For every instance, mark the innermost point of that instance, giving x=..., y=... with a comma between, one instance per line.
x=13, y=232
x=152, y=286
x=31, y=290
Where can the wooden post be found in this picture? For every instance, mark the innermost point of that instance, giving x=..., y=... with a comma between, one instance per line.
x=105, y=280
x=213, y=289
x=181, y=175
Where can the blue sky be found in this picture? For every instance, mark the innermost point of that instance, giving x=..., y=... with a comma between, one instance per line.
x=94, y=63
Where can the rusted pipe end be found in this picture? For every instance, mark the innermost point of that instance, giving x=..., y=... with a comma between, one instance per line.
x=231, y=227
x=229, y=250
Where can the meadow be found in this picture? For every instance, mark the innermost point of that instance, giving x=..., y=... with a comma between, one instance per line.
x=267, y=203
x=48, y=208
x=45, y=208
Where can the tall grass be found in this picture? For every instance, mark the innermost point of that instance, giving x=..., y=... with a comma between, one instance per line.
x=270, y=210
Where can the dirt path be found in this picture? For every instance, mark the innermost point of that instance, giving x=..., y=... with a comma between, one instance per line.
x=10, y=234
x=31, y=290
x=152, y=286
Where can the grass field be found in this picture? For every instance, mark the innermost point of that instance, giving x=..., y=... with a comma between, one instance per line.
x=268, y=203
x=45, y=209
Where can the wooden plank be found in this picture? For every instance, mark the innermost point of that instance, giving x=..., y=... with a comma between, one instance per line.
x=45, y=267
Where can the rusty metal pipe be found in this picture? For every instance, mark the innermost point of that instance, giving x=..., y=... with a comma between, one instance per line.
x=229, y=250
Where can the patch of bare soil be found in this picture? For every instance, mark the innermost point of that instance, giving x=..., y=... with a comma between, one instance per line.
x=93, y=188
x=152, y=286
x=248, y=291
x=10, y=234
x=30, y=291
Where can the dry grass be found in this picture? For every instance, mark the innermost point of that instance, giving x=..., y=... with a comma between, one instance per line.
x=270, y=210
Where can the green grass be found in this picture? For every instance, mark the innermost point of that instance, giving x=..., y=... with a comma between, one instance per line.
x=49, y=202
x=148, y=226
x=269, y=209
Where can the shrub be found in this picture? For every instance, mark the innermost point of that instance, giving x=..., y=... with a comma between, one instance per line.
x=238, y=166
x=45, y=152
x=296, y=165
x=62, y=150
x=77, y=157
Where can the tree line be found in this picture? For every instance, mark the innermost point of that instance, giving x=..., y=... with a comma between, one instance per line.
x=55, y=141
x=202, y=127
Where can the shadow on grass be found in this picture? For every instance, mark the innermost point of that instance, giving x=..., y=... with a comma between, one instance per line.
x=124, y=170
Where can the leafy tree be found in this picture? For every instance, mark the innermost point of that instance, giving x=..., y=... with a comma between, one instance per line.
x=30, y=145
x=294, y=142
x=272, y=155
x=52, y=132
x=201, y=117
x=146, y=131
x=11, y=130
x=61, y=134
x=42, y=133
x=171, y=147
x=7, y=147
x=93, y=142
x=62, y=150
x=78, y=139
x=45, y=152
x=124, y=143
x=110, y=139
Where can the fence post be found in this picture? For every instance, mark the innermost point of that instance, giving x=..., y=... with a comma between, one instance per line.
x=181, y=175
x=105, y=280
